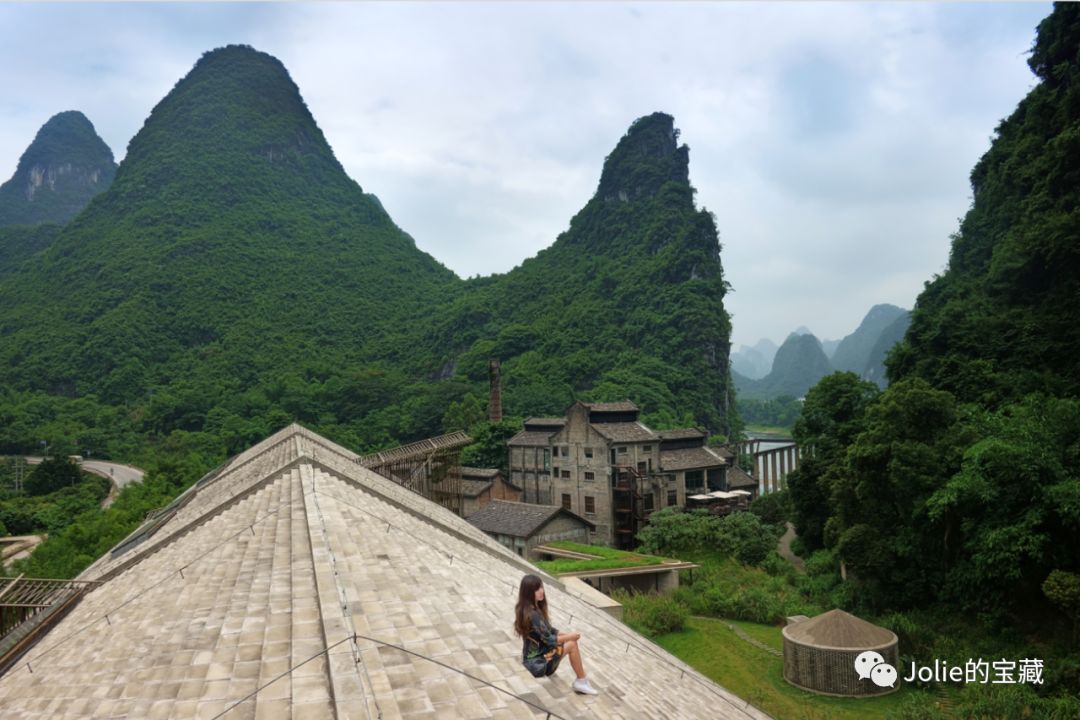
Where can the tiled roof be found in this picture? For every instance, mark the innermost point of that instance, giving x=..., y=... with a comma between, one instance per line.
x=530, y=438
x=295, y=583
x=689, y=458
x=838, y=629
x=473, y=488
x=545, y=421
x=738, y=478
x=472, y=472
x=624, y=432
x=516, y=518
x=621, y=406
x=722, y=451
x=681, y=434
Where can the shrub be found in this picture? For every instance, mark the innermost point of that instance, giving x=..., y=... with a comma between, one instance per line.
x=655, y=614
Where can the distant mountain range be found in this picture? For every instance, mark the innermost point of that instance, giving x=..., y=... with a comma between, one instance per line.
x=803, y=360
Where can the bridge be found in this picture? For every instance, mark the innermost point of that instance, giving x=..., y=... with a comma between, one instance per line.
x=772, y=464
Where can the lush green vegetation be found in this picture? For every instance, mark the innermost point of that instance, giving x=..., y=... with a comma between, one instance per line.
x=66, y=165
x=957, y=488
x=714, y=649
x=776, y=413
x=609, y=558
x=55, y=494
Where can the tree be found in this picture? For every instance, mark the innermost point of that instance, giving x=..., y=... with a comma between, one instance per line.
x=832, y=415
x=489, y=445
x=1063, y=589
x=51, y=474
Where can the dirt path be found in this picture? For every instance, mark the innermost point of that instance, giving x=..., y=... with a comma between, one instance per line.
x=784, y=548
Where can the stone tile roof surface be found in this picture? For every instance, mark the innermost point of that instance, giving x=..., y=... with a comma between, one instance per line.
x=621, y=406
x=690, y=458
x=681, y=434
x=624, y=431
x=473, y=488
x=545, y=421
x=739, y=478
x=295, y=583
x=532, y=438
x=472, y=472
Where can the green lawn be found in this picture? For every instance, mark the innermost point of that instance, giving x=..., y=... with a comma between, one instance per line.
x=609, y=559
x=757, y=676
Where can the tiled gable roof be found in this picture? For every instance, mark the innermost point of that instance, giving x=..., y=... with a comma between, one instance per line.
x=624, y=431
x=689, y=459
x=476, y=473
x=516, y=518
x=621, y=406
x=738, y=478
x=530, y=438
x=295, y=583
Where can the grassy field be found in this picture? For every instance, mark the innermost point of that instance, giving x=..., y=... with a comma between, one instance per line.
x=782, y=432
x=755, y=675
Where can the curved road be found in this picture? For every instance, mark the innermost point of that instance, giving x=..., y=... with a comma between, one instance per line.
x=121, y=475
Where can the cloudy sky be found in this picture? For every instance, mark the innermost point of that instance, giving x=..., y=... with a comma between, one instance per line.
x=833, y=141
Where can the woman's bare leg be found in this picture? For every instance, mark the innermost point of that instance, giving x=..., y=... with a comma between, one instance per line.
x=570, y=648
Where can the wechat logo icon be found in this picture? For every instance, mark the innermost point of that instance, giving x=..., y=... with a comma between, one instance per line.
x=871, y=665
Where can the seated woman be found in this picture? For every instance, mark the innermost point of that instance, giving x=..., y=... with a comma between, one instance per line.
x=545, y=646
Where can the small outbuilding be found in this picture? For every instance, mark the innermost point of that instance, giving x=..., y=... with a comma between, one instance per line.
x=523, y=526
x=820, y=654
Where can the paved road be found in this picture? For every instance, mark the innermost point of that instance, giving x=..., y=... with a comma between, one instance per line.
x=121, y=475
x=784, y=548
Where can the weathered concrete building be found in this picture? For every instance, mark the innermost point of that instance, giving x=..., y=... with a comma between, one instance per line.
x=601, y=462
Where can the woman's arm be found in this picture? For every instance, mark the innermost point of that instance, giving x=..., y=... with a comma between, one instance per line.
x=563, y=637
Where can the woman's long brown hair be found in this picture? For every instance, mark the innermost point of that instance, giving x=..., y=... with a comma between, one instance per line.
x=526, y=603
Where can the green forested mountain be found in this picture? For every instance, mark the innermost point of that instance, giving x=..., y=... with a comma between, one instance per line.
x=853, y=352
x=628, y=302
x=958, y=487
x=65, y=166
x=874, y=369
x=799, y=363
x=1004, y=318
x=233, y=279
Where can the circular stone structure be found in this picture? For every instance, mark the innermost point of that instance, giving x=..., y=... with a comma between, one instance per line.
x=819, y=654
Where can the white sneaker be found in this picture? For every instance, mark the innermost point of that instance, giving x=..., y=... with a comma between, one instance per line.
x=582, y=686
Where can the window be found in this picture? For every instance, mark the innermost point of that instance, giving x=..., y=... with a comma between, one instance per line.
x=547, y=459
x=588, y=452
x=555, y=472
x=622, y=450
x=694, y=479
x=566, y=474
x=648, y=502
x=646, y=448
x=590, y=505
x=672, y=498
x=566, y=451
x=566, y=501
x=589, y=475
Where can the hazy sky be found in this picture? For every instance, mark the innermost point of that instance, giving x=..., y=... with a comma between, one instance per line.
x=832, y=141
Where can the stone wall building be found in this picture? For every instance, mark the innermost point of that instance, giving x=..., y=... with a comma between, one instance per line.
x=601, y=462
x=479, y=486
x=522, y=527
